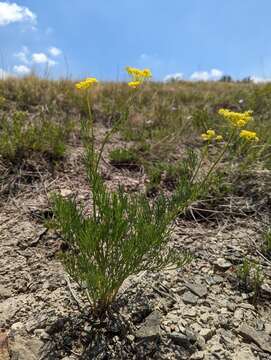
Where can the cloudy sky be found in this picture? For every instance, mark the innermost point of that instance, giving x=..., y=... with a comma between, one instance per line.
x=191, y=39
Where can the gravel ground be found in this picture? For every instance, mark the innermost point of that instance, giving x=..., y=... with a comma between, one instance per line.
x=198, y=312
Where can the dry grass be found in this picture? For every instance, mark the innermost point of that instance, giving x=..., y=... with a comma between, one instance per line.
x=164, y=119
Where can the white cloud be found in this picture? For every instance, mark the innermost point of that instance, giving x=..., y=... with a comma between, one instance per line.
x=41, y=58
x=21, y=69
x=26, y=59
x=200, y=76
x=11, y=13
x=174, y=77
x=258, y=79
x=214, y=74
x=23, y=55
x=52, y=62
x=54, y=51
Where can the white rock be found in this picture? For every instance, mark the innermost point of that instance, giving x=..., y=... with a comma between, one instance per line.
x=18, y=326
x=244, y=354
x=207, y=333
x=65, y=192
x=198, y=355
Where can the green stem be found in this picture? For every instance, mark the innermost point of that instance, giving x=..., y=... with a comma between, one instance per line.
x=96, y=161
x=91, y=126
x=219, y=158
x=94, y=177
x=114, y=128
x=205, y=152
x=106, y=138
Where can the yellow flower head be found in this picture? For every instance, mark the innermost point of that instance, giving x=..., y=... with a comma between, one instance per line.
x=209, y=135
x=130, y=70
x=147, y=73
x=237, y=119
x=138, y=76
x=249, y=135
x=219, y=138
x=87, y=83
x=134, y=84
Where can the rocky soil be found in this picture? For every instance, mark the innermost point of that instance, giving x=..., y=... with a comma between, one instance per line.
x=199, y=312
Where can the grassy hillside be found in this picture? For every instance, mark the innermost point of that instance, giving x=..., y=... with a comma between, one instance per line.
x=193, y=312
x=40, y=119
x=162, y=115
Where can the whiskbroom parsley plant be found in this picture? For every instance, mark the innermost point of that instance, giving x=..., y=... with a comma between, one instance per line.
x=125, y=233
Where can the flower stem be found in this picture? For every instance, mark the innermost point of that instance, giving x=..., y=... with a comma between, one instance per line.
x=219, y=158
x=93, y=165
x=205, y=152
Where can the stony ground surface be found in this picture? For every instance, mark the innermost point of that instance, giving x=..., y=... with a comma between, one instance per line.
x=198, y=312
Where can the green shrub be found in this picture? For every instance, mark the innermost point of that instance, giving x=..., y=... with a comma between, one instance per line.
x=250, y=277
x=155, y=172
x=201, y=120
x=122, y=158
x=19, y=137
x=128, y=236
x=170, y=175
x=125, y=234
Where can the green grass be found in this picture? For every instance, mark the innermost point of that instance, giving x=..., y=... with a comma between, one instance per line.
x=266, y=246
x=19, y=137
x=125, y=158
x=251, y=277
x=162, y=174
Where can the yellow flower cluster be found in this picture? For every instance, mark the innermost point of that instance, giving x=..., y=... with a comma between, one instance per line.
x=134, y=84
x=240, y=120
x=211, y=135
x=138, y=76
x=87, y=83
x=249, y=135
x=237, y=119
x=219, y=138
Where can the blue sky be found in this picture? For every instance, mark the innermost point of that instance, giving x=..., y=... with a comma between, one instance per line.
x=195, y=39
